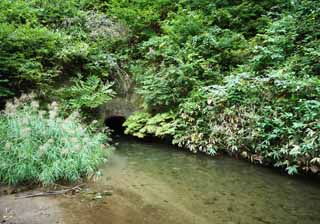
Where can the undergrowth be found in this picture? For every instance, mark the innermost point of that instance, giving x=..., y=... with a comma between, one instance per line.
x=39, y=146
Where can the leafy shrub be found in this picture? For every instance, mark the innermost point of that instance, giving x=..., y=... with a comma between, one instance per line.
x=42, y=147
x=215, y=75
x=142, y=124
x=268, y=128
x=86, y=94
x=238, y=76
x=28, y=55
x=142, y=16
x=50, y=45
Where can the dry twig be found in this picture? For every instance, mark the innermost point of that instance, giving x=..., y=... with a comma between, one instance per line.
x=51, y=193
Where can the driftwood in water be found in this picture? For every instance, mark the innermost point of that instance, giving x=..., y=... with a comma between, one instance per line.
x=51, y=193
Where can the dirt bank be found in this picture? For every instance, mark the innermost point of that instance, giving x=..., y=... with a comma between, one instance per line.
x=30, y=210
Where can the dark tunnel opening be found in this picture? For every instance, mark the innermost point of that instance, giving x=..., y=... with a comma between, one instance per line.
x=2, y=105
x=115, y=123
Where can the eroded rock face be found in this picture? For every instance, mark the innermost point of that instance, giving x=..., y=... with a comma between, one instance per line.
x=120, y=107
x=117, y=107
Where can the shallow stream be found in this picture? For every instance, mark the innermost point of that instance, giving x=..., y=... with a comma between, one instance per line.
x=159, y=184
x=156, y=183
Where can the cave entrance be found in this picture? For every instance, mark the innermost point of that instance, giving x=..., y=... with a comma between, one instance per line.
x=115, y=123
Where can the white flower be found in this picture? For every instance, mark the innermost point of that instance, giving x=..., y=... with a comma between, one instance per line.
x=31, y=96
x=54, y=104
x=25, y=132
x=42, y=113
x=35, y=104
x=65, y=151
x=50, y=141
x=74, y=115
x=53, y=114
x=42, y=149
x=69, y=130
x=74, y=140
x=10, y=108
x=24, y=121
x=77, y=147
x=24, y=97
x=7, y=146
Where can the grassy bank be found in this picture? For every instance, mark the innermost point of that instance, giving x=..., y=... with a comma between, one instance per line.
x=40, y=146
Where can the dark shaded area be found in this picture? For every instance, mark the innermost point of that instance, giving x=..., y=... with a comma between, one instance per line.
x=115, y=123
x=2, y=104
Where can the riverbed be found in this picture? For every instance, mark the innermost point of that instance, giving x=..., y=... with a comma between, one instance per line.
x=157, y=183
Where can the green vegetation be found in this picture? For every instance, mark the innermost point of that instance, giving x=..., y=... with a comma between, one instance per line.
x=236, y=76
x=59, y=49
x=39, y=146
x=215, y=76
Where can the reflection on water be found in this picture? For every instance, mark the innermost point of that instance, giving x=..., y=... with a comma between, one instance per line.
x=156, y=183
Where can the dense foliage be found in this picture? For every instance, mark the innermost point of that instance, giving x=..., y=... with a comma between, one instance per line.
x=215, y=76
x=61, y=50
x=235, y=76
x=49, y=46
x=39, y=146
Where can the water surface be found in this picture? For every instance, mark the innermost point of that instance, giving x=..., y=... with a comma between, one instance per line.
x=156, y=183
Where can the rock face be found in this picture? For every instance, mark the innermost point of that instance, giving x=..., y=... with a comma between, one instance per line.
x=125, y=103
x=119, y=107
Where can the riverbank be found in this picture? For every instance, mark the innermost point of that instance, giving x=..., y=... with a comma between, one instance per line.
x=156, y=183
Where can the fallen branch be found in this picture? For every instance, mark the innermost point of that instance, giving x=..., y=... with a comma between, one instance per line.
x=51, y=193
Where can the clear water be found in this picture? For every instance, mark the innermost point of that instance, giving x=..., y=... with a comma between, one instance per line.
x=156, y=183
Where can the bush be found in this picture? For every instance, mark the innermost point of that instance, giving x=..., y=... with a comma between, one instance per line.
x=240, y=77
x=50, y=46
x=39, y=146
x=142, y=124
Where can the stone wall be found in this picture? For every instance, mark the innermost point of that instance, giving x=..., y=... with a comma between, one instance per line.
x=119, y=107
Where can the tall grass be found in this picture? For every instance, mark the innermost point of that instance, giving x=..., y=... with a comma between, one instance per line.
x=39, y=146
